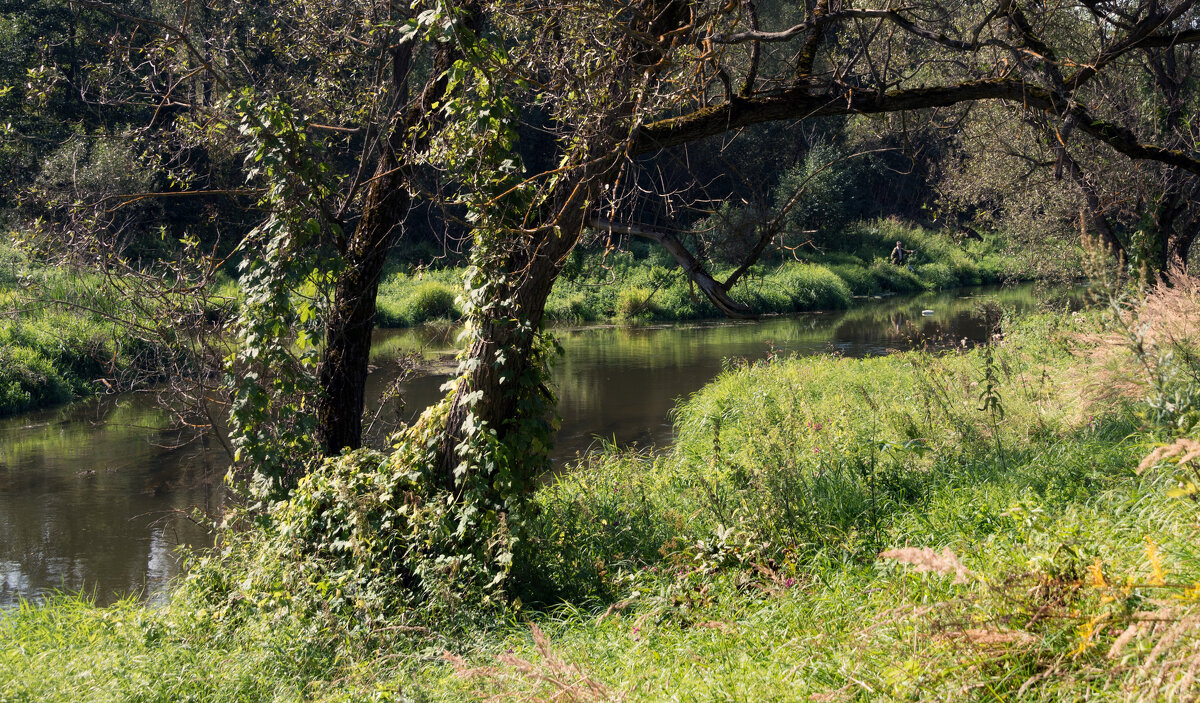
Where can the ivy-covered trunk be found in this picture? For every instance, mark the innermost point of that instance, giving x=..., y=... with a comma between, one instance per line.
x=500, y=400
x=499, y=417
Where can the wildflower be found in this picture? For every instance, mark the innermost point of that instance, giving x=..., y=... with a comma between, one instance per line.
x=789, y=582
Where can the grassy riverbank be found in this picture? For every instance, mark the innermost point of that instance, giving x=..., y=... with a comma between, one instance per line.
x=967, y=526
x=642, y=283
x=59, y=338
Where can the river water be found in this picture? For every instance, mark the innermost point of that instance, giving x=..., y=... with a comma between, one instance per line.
x=95, y=496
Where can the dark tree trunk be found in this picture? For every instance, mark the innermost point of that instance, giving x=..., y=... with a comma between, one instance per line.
x=345, y=359
x=347, y=351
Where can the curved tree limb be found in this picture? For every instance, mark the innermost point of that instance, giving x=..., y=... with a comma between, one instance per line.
x=716, y=293
x=798, y=103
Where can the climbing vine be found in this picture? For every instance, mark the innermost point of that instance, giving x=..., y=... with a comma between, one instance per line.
x=432, y=521
x=270, y=371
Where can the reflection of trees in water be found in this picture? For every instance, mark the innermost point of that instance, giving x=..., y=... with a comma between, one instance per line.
x=91, y=497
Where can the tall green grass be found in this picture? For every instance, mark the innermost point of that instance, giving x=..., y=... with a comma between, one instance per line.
x=59, y=336
x=406, y=299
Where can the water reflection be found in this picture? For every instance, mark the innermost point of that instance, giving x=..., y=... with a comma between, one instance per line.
x=620, y=383
x=92, y=495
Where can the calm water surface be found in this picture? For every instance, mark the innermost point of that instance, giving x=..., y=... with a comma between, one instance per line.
x=95, y=496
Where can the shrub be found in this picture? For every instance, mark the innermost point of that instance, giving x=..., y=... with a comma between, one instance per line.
x=28, y=380
x=432, y=301
x=403, y=302
x=571, y=308
x=11, y=263
x=894, y=279
x=636, y=303
x=937, y=275
x=813, y=287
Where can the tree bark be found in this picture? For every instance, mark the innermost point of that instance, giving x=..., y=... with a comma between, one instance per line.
x=347, y=350
x=798, y=103
x=347, y=353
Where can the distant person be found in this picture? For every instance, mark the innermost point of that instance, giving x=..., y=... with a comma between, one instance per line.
x=900, y=254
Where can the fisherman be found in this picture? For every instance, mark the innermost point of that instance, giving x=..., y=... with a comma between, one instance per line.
x=899, y=254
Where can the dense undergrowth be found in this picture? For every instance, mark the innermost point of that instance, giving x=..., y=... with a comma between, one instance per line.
x=968, y=525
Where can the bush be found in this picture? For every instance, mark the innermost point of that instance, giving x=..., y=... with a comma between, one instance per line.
x=432, y=301
x=11, y=263
x=404, y=303
x=636, y=303
x=28, y=380
x=896, y=279
x=571, y=308
x=936, y=276
x=813, y=287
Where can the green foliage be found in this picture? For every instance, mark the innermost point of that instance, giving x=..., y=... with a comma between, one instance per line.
x=616, y=285
x=636, y=302
x=652, y=573
x=828, y=180
x=131, y=652
x=58, y=337
x=426, y=531
x=404, y=302
x=271, y=372
x=28, y=380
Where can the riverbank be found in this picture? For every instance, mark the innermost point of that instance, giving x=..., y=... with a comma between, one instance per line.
x=53, y=352
x=60, y=338
x=967, y=525
x=124, y=463
x=642, y=284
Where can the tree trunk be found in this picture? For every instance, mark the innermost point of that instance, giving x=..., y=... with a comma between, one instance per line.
x=488, y=393
x=1181, y=249
x=347, y=350
x=347, y=353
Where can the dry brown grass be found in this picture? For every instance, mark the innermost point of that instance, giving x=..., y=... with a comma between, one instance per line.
x=1123, y=360
x=550, y=678
x=926, y=559
x=1181, y=452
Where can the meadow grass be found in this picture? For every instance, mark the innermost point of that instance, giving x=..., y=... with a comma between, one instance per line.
x=823, y=529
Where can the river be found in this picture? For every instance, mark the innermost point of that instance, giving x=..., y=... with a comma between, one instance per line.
x=95, y=496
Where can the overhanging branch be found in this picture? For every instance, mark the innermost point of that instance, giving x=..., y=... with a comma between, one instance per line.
x=799, y=103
